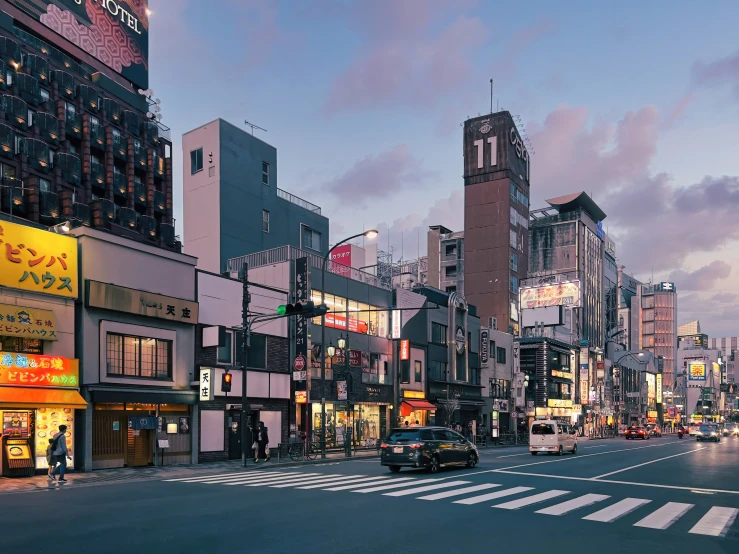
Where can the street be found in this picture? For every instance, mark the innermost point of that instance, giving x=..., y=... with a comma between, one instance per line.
x=613, y=495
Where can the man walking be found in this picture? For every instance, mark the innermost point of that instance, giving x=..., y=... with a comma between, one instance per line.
x=262, y=440
x=60, y=454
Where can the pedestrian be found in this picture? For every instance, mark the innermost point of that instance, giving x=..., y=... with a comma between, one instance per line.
x=262, y=442
x=60, y=453
x=50, y=458
x=417, y=423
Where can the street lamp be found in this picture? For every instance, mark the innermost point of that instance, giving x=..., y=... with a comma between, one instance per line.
x=372, y=233
x=331, y=350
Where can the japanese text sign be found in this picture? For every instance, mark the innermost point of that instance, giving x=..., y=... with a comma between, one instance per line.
x=405, y=349
x=19, y=321
x=697, y=371
x=302, y=294
x=205, y=384
x=132, y=301
x=562, y=294
x=33, y=370
x=341, y=260
x=38, y=261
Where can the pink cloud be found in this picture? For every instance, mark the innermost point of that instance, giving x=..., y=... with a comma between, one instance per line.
x=677, y=112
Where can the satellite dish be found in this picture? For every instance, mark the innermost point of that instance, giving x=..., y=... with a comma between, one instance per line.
x=150, y=115
x=157, y=101
x=159, y=116
x=150, y=92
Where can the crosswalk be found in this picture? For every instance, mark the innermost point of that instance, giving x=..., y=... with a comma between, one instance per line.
x=716, y=522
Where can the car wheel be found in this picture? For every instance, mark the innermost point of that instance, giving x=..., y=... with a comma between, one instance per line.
x=434, y=466
x=560, y=451
x=394, y=469
x=574, y=449
x=472, y=461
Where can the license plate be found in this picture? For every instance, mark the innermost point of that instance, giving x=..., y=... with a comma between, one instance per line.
x=398, y=450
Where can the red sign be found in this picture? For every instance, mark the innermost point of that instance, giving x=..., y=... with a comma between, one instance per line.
x=33, y=370
x=301, y=397
x=405, y=349
x=341, y=260
x=339, y=322
x=299, y=363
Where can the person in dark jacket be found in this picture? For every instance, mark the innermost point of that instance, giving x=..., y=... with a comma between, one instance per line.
x=262, y=439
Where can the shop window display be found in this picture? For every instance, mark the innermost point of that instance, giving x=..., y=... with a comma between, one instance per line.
x=364, y=424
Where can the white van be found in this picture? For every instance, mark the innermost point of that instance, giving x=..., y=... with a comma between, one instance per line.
x=553, y=437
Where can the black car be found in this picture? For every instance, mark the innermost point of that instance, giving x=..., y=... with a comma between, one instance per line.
x=708, y=432
x=426, y=447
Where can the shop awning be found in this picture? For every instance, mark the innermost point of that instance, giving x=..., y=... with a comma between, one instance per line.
x=27, y=397
x=420, y=405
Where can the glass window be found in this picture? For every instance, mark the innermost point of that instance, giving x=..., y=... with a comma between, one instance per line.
x=451, y=289
x=31, y=115
x=647, y=302
x=405, y=371
x=138, y=357
x=451, y=249
x=438, y=333
x=514, y=216
x=362, y=316
x=437, y=370
x=417, y=371
x=513, y=239
x=265, y=173
x=542, y=429
x=71, y=110
x=514, y=261
x=44, y=185
x=522, y=198
x=196, y=160
x=451, y=270
x=265, y=221
x=513, y=193
x=500, y=355
x=311, y=239
x=45, y=96
x=514, y=283
x=225, y=352
x=21, y=345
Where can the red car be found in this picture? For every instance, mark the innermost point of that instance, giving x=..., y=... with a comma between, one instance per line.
x=636, y=432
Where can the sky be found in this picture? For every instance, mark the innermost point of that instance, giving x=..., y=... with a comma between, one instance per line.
x=636, y=103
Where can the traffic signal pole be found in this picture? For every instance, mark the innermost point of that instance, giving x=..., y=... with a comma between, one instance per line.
x=245, y=349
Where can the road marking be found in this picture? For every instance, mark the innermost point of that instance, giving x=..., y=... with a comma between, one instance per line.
x=574, y=504
x=650, y=462
x=716, y=522
x=284, y=478
x=492, y=495
x=617, y=510
x=328, y=479
x=240, y=478
x=527, y=501
x=416, y=490
x=458, y=492
x=342, y=481
x=194, y=479
x=385, y=487
x=596, y=446
x=356, y=486
x=664, y=516
x=514, y=455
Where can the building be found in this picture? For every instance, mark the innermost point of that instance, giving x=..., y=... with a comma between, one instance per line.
x=654, y=325
x=79, y=140
x=728, y=345
x=698, y=384
x=626, y=290
x=411, y=274
x=692, y=330
x=638, y=388
x=232, y=205
x=445, y=256
x=496, y=363
x=496, y=247
x=610, y=293
x=39, y=371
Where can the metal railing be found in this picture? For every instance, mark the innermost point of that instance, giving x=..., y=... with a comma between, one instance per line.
x=298, y=201
x=286, y=253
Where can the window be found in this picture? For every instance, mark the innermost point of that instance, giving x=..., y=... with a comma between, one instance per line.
x=257, y=351
x=451, y=250
x=513, y=193
x=417, y=371
x=437, y=370
x=143, y=357
x=513, y=261
x=44, y=185
x=196, y=161
x=45, y=96
x=500, y=388
x=522, y=198
x=94, y=122
x=31, y=115
x=375, y=369
x=311, y=239
x=21, y=345
x=514, y=283
x=647, y=302
x=450, y=271
x=405, y=371
x=363, y=318
x=514, y=216
x=265, y=221
x=513, y=239
x=225, y=352
x=9, y=77
x=71, y=111
x=451, y=289
x=265, y=173
x=500, y=355
x=438, y=333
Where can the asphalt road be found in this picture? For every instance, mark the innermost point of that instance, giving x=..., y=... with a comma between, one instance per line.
x=617, y=496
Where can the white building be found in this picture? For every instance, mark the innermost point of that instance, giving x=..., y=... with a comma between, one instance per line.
x=699, y=380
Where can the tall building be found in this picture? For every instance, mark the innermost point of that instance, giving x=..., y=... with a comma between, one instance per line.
x=445, y=259
x=79, y=140
x=654, y=325
x=610, y=290
x=232, y=204
x=496, y=218
x=626, y=290
x=728, y=346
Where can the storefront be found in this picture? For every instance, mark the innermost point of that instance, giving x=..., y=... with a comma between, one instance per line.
x=457, y=403
x=415, y=409
x=365, y=423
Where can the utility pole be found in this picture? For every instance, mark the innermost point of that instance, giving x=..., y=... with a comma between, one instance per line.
x=245, y=349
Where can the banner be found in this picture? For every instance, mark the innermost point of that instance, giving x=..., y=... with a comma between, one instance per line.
x=341, y=390
x=302, y=294
x=484, y=345
x=562, y=294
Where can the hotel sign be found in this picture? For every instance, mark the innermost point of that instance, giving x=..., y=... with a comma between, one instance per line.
x=138, y=302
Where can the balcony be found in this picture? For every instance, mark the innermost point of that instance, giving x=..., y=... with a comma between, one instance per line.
x=120, y=185
x=148, y=227
x=97, y=174
x=103, y=212
x=48, y=125
x=38, y=67
x=82, y=213
x=133, y=122
x=139, y=193
x=90, y=98
x=166, y=234
x=152, y=132
x=3, y=75
x=65, y=81
x=112, y=110
x=119, y=147
x=70, y=166
x=38, y=154
x=49, y=205
x=126, y=217
x=16, y=111
x=139, y=158
x=28, y=88
x=298, y=201
x=158, y=163
x=12, y=195
x=73, y=123
x=97, y=136
x=160, y=202
x=7, y=141
x=10, y=52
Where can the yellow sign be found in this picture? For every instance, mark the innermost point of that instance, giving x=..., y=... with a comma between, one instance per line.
x=19, y=321
x=659, y=388
x=301, y=397
x=35, y=370
x=556, y=403
x=697, y=371
x=652, y=414
x=562, y=374
x=418, y=394
x=38, y=261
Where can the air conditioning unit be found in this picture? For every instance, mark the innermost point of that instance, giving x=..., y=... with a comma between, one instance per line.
x=493, y=323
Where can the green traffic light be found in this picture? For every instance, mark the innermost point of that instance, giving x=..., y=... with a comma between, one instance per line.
x=281, y=310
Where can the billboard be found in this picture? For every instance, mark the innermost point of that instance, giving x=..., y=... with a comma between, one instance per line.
x=697, y=371
x=341, y=259
x=116, y=32
x=561, y=294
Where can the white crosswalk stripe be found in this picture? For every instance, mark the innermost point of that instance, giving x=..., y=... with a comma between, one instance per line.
x=295, y=480
x=340, y=481
x=195, y=479
x=458, y=492
x=242, y=477
x=326, y=479
x=617, y=510
x=396, y=485
x=416, y=490
x=357, y=486
x=529, y=500
x=493, y=495
x=247, y=480
x=574, y=504
x=716, y=522
x=664, y=516
x=283, y=478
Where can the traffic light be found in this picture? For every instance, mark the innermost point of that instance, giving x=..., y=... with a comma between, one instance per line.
x=307, y=309
x=226, y=382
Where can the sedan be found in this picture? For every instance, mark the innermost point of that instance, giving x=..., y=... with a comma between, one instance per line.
x=636, y=432
x=708, y=433
x=426, y=447
x=731, y=430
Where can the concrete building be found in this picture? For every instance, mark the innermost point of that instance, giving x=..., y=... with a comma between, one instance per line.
x=496, y=363
x=496, y=218
x=626, y=290
x=638, y=392
x=445, y=257
x=728, y=345
x=692, y=330
x=610, y=294
x=698, y=386
x=232, y=205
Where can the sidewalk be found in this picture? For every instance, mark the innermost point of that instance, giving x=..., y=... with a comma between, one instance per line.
x=123, y=475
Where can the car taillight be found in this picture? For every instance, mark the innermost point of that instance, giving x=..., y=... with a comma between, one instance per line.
x=641, y=432
x=416, y=445
x=383, y=445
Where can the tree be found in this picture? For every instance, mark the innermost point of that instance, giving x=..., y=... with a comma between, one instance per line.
x=451, y=405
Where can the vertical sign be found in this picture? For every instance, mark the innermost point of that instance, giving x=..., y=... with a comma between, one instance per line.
x=405, y=349
x=484, y=345
x=206, y=384
x=659, y=388
x=396, y=324
x=301, y=324
x=516, y=357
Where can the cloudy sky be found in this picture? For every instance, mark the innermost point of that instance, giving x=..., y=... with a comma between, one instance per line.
x=635, y=102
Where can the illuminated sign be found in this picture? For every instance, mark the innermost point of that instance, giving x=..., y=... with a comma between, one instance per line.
x=405, y=349
x=556, y=403
x=583, y=391
x=651, y=386
x=20, y=321
x=562, y=374
x=520, y=149
x=697, y=371
x=301, y=397
x=206, y=385
x=396, y=324
x=341, y=260
x=37, y=261
x=652, y=414
x=416, y=394
x=659, y=388
x=33, y=370
x=116, y=32
x=561, y=294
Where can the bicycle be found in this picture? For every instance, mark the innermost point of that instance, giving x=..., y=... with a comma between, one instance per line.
x=298, y=450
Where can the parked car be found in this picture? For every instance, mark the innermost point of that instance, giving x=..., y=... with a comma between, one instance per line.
x=636, y=432
x=426, y=447
x=708, y=432
x=731, y=430
x=654, y=431
x=553, y=437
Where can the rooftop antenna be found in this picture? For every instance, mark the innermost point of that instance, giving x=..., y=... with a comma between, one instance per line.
x=491, y=95
x=254, y=127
